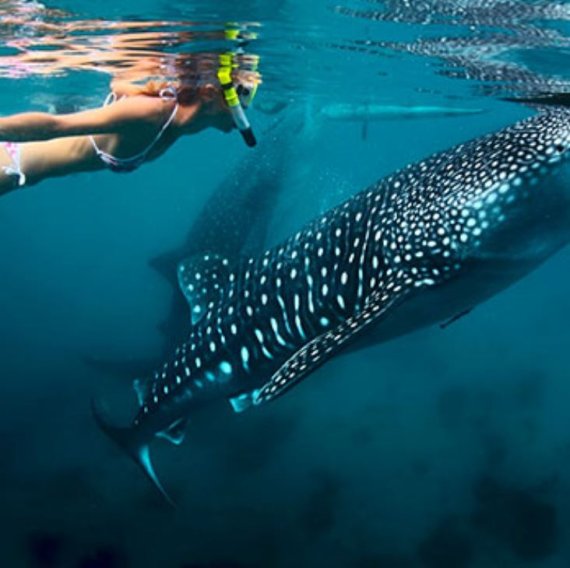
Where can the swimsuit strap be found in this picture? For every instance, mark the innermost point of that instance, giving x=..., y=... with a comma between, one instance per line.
x=111, y=98
x=134, y=161
x=161, y=131
x=168, y=93
x=14, y=150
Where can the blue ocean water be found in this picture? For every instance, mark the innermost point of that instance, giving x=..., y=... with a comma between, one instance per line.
x=444, y=448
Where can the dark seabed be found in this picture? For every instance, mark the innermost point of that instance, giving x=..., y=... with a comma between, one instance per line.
x=447, y=448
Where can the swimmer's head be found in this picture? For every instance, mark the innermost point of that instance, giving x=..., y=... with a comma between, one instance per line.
x=224, y=86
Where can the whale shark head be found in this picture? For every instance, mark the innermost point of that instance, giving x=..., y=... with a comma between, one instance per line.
x=531, y=190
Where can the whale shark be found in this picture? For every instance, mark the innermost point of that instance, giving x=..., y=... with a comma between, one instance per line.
x=419, y=247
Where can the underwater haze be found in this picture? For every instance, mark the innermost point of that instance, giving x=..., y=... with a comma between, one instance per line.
x=445, y=448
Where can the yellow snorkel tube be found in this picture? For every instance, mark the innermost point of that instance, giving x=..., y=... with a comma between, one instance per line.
x=233, y=100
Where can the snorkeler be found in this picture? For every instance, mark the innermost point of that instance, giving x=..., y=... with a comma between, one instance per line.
x=137, y=123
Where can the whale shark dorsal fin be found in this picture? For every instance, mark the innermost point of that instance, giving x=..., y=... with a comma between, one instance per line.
x=176, y=432
x=203, y=280
x=319, y=350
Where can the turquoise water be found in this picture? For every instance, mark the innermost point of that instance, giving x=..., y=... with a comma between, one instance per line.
x=445, y=448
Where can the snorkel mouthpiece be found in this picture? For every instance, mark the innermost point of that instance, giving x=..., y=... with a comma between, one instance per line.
x=249, y=137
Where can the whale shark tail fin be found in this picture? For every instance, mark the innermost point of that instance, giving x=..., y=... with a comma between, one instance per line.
x=129, y=441
x=544, y=99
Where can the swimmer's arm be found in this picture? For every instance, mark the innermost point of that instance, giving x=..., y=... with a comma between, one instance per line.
x=112, y=119
x=122, y=88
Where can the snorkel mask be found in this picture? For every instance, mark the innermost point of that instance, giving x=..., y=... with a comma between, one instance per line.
x=238, y=98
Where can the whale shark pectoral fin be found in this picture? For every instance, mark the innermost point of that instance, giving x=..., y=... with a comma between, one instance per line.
x=203, y=279
x=319, y=350
x=128, y=440
x=176, y=432
x=445, y=324
x=243, y=401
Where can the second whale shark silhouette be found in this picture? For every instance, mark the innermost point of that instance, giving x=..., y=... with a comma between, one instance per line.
x=234, y=221
x=419, y=247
